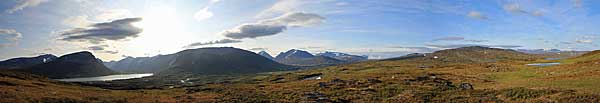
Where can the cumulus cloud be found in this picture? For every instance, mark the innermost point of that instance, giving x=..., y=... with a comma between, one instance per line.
x=586, y=39
x=203, y=14
x=96, y=33
x=449, y=39
x=9, y=37
x=282, y=6
x=98, y=47
x=77, y=21
x=222, y=41
x=476, y=15
x=110, y=51
x=21, y=4
x=253, y=31
x=273, y=26
x=514, y=8
x=102, y=49
x=112, y=14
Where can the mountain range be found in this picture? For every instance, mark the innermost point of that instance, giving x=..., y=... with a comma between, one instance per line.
x=80, y=64
x=344, y=56
x=142, y=64
x=304, y=58
x=25, y=62
x=266, y=55
x=473, y=54
x=221, y=60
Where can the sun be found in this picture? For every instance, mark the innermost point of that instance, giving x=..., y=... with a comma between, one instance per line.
x=162, y=32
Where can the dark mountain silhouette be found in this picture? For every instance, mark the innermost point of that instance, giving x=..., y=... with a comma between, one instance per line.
x=344, y=56
x=265, y=54
x=80, y=64
x=221, y=60
x=142, y=64
x=303, y=58
x=24, y=62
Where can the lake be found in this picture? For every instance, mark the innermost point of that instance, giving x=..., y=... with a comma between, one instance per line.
x=106, y=78
x=542, y=64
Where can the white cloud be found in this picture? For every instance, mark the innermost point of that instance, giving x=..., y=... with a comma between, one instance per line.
x=515, y=8
x=113, y=14
x=586, y=39
x=476, y=15
x=281, y=7
x=97, y=33
x=451, y=38
x=9, y=37
x=77, y=21
x=21, y=4
x=222, y=41
x=273, y=26
x=203, y=14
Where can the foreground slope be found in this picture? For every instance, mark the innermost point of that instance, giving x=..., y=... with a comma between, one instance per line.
x=80, y=64
x=23, y=87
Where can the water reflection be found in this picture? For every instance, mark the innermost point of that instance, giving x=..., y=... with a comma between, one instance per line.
x=542, y=64
x=106, y=78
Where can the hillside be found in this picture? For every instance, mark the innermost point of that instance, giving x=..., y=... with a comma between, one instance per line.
x=80, y=64
x=304, y=58
x=393, y=81
x=221, y=60
x=25, y=62
x=473, y=54
x=142, y=64
x=343, y=56
x=266, y=55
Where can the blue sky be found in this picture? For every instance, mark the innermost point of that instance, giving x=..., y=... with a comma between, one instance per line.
x=112, y=29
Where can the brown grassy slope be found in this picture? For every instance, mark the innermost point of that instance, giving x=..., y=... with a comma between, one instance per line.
x=20, y=87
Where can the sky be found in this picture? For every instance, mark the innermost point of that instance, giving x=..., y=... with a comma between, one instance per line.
x=114, y=29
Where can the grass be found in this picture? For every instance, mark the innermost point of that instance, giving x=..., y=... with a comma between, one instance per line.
x=413, y=80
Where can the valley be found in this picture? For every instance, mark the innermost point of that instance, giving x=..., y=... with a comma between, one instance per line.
x=467, y=74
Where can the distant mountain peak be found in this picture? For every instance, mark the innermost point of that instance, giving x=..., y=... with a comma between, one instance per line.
x=24, y=62
x=79, y=64
x=83, y=56
x=265, y=54
x=344, y=56
x=294, y=53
